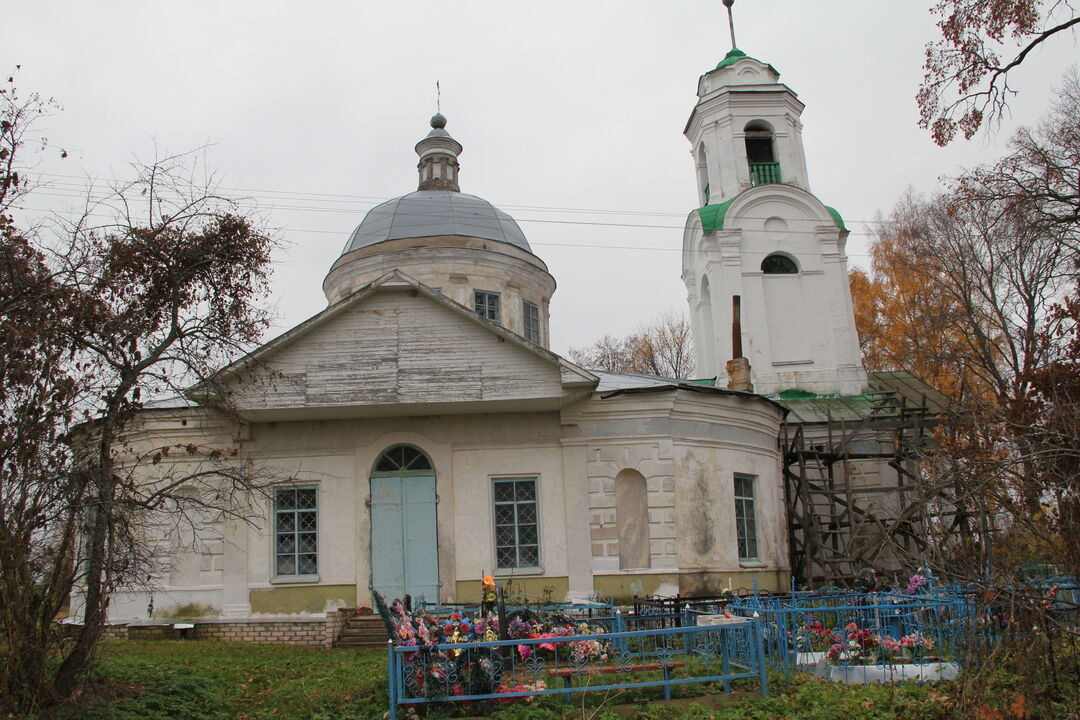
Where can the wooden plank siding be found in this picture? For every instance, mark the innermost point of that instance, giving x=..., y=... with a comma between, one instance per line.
x=397, y=347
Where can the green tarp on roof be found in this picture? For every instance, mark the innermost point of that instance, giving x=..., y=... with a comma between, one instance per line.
x=836, y=217
x=712, y=216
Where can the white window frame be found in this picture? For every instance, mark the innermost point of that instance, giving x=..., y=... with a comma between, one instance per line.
x=526, y=306
x=485, y=311
x=743, y=537
x=275, y=576
x=500, y=570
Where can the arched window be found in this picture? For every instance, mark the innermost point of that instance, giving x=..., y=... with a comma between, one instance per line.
x=760, y=154
x=777, y=264
x=401, y=458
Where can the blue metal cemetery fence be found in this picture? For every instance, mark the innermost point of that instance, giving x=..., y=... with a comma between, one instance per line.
x=612, y=661
x=869, y=628
x=669, y=611
x=577, y=610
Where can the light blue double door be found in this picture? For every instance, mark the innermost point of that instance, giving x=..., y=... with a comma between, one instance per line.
x=404, y=526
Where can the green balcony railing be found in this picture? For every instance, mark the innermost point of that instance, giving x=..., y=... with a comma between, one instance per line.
x=764, y=173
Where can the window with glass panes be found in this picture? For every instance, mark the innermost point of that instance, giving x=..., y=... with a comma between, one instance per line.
x=517, y=529
x=296, y=549
x=531, y=321
x=745, y=519
x=486, y=304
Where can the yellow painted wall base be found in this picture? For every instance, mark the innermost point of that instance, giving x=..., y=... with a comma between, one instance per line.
x=554, y=587
x=309, y=599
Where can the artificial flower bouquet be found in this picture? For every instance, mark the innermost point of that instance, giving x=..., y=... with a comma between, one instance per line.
x=531, y=626
x=432, y=671
x=815, y=637
x=859, y=646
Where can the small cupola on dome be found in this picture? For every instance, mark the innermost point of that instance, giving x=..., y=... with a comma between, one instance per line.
x=438, y=153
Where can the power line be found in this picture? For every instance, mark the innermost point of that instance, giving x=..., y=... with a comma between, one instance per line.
x=78, y=190
x=546, y=221
x=549, y=244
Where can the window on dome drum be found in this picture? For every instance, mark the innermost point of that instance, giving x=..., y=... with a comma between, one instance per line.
x=530, y=321
x=402, y=457
x=779, y=265
x=296, y=544
x=745, y=518
x=517, y=527
x=486, y=304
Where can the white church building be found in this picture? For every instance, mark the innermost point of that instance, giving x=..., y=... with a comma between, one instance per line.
x=426, y=435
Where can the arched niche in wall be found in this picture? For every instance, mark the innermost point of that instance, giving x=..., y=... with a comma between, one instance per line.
x=785, y=308
x=632, y=519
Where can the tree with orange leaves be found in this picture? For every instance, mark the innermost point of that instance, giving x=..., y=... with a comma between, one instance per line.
x=975, y=291
x=982, y=41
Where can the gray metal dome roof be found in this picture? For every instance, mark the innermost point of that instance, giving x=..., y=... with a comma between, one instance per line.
x=427, y=213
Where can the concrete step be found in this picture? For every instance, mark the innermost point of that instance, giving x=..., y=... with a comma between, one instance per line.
x=363, y=631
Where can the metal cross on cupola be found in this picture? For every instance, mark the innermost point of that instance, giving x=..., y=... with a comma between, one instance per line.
x=730, y=21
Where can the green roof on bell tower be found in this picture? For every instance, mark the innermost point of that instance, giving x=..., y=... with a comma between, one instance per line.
x=735, y=55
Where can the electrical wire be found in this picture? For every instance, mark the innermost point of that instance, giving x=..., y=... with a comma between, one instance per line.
x=79, y=190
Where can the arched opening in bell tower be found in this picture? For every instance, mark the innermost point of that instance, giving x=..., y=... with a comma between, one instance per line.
x=703, y=174
x=760, y=153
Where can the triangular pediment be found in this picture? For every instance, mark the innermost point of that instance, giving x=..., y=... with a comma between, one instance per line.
x=397, y=347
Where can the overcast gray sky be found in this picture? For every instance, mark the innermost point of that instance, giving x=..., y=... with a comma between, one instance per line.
x=571, y=114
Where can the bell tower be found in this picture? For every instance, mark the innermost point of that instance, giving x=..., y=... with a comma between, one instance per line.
x=745, y=129
x=763, y=259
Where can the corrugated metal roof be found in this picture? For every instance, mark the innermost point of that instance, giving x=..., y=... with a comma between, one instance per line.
x=813, y=408
x=429, y=213
x=615, y=383
x=625, y=381
x=170, y=403
x=912, y=388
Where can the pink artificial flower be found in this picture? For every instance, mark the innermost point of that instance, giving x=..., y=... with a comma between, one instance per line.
x=524, y=651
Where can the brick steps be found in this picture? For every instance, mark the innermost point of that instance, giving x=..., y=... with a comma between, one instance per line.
x=362, y=631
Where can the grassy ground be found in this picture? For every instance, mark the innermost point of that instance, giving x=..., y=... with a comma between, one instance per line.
x=222, y=681
x=218, y=681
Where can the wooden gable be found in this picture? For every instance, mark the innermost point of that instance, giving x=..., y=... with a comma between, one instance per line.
x=397, y=350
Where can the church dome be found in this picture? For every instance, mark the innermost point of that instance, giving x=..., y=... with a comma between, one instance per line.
x=434, y=213
x=460, y=245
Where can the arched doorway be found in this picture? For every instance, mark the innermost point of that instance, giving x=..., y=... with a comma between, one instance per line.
x=404, y=536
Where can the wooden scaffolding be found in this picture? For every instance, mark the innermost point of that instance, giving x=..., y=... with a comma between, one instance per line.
x=852, y=479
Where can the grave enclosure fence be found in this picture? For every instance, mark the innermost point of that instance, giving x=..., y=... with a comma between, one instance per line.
x=868, y=630
x=613, y=661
